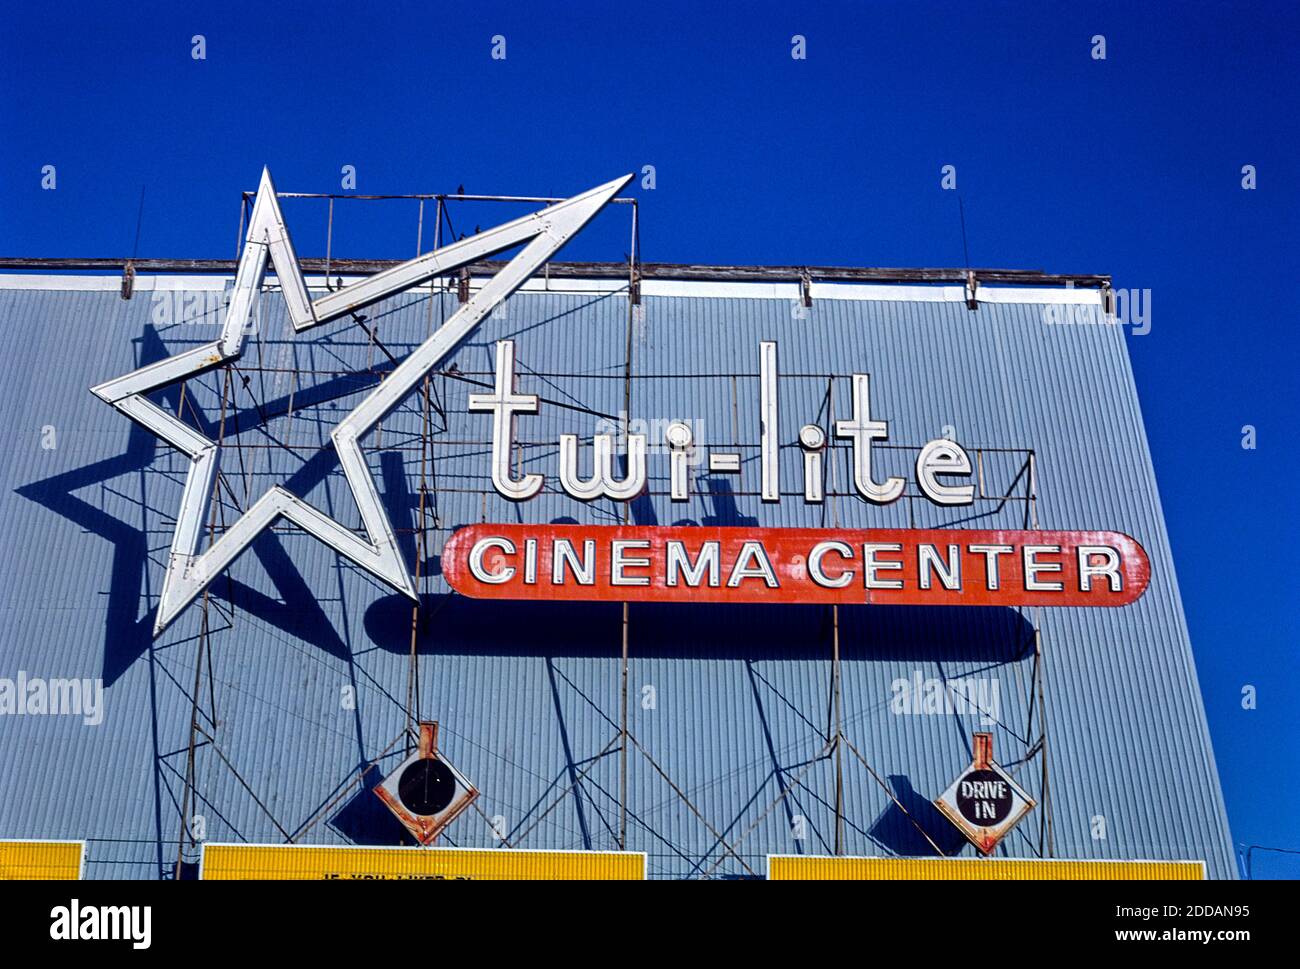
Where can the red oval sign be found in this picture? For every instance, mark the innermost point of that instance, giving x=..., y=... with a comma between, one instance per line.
x=942, y=567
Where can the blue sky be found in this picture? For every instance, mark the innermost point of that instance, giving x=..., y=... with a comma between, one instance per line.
x=1130, y=166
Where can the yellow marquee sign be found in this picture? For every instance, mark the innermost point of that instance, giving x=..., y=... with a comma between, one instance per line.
x=23, y=860
x=813, y=868
x=241, y=861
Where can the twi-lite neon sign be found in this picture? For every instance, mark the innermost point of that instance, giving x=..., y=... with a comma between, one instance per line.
x=938, y=458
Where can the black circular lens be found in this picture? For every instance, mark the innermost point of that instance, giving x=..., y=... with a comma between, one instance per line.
x=426, y=787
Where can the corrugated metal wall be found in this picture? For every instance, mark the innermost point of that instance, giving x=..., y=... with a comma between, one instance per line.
x=728, y=707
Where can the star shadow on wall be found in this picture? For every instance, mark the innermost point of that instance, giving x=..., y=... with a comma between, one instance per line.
x=128, y=630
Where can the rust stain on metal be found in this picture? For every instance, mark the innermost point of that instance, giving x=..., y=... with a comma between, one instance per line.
x=426, y=828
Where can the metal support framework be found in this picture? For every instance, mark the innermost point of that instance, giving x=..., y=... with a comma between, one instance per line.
x=268, y=238
x=189, y=572
x=603, y=270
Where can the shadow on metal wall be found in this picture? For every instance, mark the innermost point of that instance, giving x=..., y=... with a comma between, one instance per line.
x=452, y=624
x=897, y=832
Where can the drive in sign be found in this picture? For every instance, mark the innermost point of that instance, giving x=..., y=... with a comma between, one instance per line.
x=746, y=565
x=984, y=802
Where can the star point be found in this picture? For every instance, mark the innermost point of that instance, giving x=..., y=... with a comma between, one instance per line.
x=189, y=569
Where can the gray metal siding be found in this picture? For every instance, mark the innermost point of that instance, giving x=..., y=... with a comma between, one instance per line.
x=528, y=694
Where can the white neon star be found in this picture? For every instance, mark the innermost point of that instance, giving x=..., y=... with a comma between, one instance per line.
x=188, y=571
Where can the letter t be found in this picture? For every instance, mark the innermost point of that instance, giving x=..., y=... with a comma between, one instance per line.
x=503, y=403
x=862, y=430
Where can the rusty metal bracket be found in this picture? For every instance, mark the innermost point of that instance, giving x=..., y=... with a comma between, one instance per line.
x=1107, y=301
x=805, y=287
x=972, y=284
x=128, y=280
